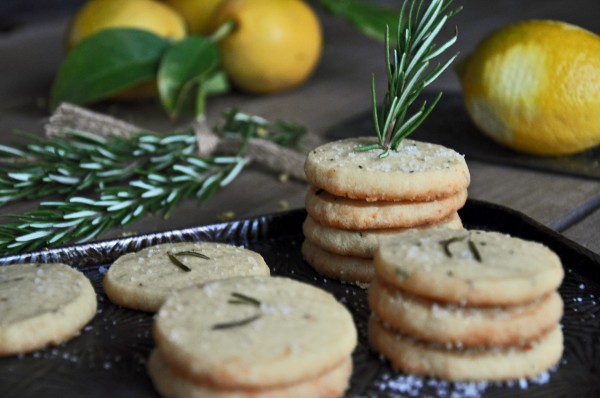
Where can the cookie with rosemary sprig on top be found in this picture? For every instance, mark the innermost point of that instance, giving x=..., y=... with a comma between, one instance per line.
x=466, y=305
x=385, y=185
x=252, y=337
x=143, y=280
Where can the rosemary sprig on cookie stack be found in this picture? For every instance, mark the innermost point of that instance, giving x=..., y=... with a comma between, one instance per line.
x=409, y=72
x=367, y=188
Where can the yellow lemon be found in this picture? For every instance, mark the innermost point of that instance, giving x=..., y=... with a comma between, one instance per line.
x=534, y=86
x=149, y=15
x=197, y=13
x=274, y=46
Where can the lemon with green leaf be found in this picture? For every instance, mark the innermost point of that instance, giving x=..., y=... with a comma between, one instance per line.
x=147, y=15
x=534, y=86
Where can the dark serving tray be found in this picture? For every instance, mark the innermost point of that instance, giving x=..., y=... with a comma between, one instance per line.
x=108, y=358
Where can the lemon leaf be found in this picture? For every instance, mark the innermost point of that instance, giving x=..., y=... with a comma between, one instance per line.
x=105, y=63
x=371, y=19
x=188, y=64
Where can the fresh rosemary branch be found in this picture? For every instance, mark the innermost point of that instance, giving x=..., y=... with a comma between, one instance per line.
x=127, y=177
x=80, y=219
x=79, y=160
x=408, y=71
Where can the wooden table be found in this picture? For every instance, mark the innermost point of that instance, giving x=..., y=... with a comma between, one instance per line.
x=338, y=91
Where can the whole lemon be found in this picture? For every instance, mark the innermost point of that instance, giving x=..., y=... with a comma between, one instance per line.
x=197, y=13
x=149, y=15
x=534, y=86
x=275, y=44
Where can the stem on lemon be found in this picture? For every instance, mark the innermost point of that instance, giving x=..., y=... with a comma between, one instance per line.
x=223, y=31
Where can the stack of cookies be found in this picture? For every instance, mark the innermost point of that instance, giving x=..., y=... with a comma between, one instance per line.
x=257, y=336
x=466, y=305
x=357, y=197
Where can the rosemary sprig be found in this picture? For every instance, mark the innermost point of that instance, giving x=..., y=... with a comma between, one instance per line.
x=78, y=160
x=128, y=178
x=408, y=71
x=470, y=244
x=234, y=324
x=239, y=298
x=80, y=219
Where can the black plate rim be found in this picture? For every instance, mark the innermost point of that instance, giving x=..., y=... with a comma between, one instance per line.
x=504, y=219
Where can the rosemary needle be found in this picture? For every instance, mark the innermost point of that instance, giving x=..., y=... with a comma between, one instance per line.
x=239, y=298
x=193, y=254
x=178, y=263
x=234, y=324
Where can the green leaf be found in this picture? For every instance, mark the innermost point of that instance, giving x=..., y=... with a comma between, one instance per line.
x=368, y=17
x=105, y=63
x=189, y=63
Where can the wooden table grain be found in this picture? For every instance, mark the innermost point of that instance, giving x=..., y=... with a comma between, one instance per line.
x=338, y=91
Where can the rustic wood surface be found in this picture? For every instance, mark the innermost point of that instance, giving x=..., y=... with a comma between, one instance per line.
x=337, y=92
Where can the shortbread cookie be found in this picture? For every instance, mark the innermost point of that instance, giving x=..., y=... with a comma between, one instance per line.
x=361, y=243
x=41, y=305
x=144, y=279
x=418, y=171
x=349, y=269
x=491, y=364
x=253, y=332
x=171, y=385
x=344, y=213
x=476, y=268
x=465, y=326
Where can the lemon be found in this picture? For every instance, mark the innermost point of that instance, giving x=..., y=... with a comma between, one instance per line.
x=197, y=13
x=534, y=86
x=149, y=15
x=275, y=44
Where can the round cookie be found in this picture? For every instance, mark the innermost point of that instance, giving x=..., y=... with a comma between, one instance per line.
x=472, y=268
x=170, y=385
x=344, y=213
x=144, y=279
x=42, y=304
x=349, y=269
x=418, y=171
x=491, y=364
x=253, y=332
x=361, y=243
x=450, y=324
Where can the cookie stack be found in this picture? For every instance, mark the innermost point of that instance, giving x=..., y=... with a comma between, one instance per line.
x=252, y=336
x=466, y=305
x=356, y=198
